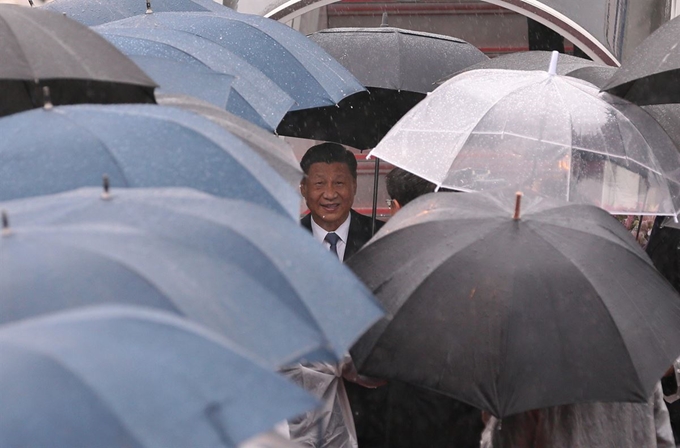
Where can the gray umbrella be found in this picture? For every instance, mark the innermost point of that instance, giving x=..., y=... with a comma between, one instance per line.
x=557, y=305
x=42, y=48
x=136, y=146
x=273, y=149
x=252, y=95
x=241, y=270
x=112, y=377
x=96, y=12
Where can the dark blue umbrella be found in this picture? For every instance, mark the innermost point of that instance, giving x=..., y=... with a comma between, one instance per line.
x=253, y=95
x=298, y=66
x=111, y=377
x=96, y=12
x=137, y=146
x=242, y=270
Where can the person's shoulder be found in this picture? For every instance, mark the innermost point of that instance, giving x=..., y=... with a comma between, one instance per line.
x=364, y=221
x=306, y=221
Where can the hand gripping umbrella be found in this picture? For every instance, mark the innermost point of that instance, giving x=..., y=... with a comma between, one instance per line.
x=542, y=132
x=555, y=305
x=111, y=376
x=246, y=272
x=136, y=146
x=42, y=48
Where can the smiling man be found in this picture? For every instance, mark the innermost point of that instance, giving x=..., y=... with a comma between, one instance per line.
x=329, y=186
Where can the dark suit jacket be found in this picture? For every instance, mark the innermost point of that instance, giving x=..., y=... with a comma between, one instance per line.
x=359, y=231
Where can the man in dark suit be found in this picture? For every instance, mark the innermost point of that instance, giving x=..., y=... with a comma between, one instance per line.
x=329, y=186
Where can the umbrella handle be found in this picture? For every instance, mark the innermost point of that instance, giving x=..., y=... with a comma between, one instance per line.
x=374, y=210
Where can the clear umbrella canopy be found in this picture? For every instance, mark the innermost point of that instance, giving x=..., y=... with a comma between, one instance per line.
x=555, y=135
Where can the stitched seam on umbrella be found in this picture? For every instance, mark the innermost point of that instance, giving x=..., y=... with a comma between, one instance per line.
x=82, y=380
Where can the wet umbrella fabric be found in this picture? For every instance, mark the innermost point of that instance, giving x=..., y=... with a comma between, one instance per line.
x=649, y=75
x=299, y=67
x=241, y=270
x=398, y=67
x=512, y=315
x=96, y=12
x=253, y=96
x=551, y=134
x=127, y=376
x=136, y=146
x=278, y=154
x=42, y=48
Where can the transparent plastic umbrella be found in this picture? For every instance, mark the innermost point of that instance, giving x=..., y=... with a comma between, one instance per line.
x=537, y=131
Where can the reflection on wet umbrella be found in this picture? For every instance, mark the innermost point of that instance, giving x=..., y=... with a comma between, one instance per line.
x=299, y=67
x=42, y=48
x=398, y=67
x=137, y=146
x=540, y=132
x=96, y=12
x=128, y=376
x=274, y=150
x=516, y=314
x=253, y=96
x=650, y=75
x=241, y=270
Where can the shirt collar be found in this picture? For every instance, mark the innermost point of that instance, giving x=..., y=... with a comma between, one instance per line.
x=342, y=231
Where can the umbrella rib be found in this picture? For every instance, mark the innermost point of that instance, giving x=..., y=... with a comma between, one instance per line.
x=81, y=380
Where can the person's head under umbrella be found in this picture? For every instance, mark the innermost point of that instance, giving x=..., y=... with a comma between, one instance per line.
x=328, y=187
x=403, y=187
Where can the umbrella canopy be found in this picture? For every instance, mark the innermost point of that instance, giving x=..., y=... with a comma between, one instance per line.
x=299, y=67
x=398, y=67
x=274, y=150
x=541, y=132
x=253, y=96
x=244, y=271
x=123, y=376
x=516, y=314
x=96, y=12
x=42, y=48
x=136, y=146
x=649, y=75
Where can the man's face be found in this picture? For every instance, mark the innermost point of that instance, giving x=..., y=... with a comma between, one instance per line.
x=329, y=190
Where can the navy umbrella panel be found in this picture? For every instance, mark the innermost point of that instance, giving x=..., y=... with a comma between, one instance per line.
x=42, y=48
x=136, y=146
x=237, y=268
x=298, y=66
x=253, y=96
x=112, y=376
x=96, y=12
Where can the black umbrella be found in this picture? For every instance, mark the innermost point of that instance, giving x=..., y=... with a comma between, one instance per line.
x=651, y=74
x=558, y=306
x=398, y=67
x=42, y=48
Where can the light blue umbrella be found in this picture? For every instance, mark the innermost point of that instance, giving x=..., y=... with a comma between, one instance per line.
x=251, y=274
x=111, y=377
x=296, y=64
x=95, y=12
x=253, y=95
x=136, y=146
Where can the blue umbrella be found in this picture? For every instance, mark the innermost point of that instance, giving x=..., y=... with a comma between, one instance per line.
x=111, y=377
x=297, y=65
x=249, y=273
x=137, y=146
x=96, y=12
x=254, y=96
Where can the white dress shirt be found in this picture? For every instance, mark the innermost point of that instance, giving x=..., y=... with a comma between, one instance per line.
x=342, y=231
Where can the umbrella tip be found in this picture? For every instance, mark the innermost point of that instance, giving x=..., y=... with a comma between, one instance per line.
x=6, y=231
x=518, y=202
x=552, y=69
x=384, y=20
x=105, y=183
x=47, y=99
x=148, y=7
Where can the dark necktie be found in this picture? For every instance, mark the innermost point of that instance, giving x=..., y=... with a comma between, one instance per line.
x=332, y=239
